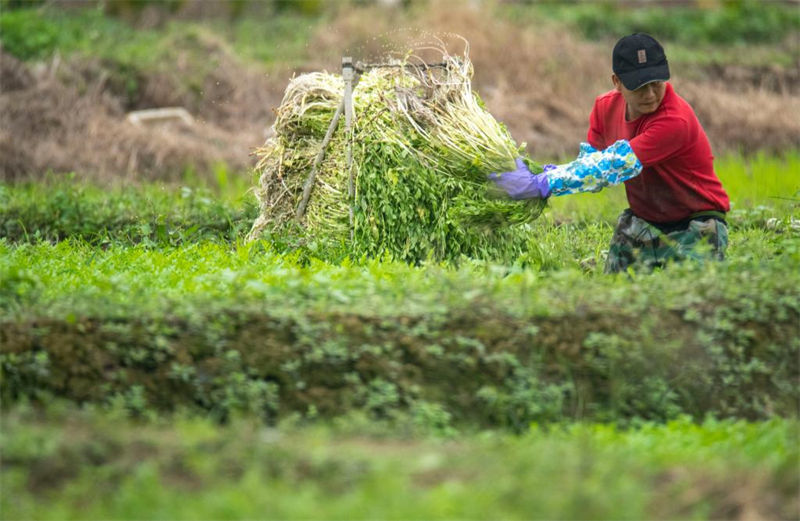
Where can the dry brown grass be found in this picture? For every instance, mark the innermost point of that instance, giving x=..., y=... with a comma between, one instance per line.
x=71, y=117
x=540, y=81
x=50, y=126
x=540, y=84
x=751, y=118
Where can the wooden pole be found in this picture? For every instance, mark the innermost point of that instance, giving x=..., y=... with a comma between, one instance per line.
x=348, y=74
x=309, y=184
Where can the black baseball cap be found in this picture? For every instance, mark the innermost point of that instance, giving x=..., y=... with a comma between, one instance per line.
x=638, y=59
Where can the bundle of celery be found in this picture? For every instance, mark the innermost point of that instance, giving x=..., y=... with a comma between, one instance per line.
x=422, y=144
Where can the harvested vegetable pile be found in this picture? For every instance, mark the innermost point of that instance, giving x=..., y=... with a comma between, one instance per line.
x=422, y=147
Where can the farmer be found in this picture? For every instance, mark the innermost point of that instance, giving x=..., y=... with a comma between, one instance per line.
x=645, y=135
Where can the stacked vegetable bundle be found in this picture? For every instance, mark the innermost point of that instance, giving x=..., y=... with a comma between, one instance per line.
x=422, y=147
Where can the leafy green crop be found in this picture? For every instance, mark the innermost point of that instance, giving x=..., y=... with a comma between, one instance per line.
x=409, y=181
x=573, y=231
x=735, y=21
x=273, y=334
x=189, y=315
x=36, y=33
x=78, y=464
x=149, y=215
x=31, y=34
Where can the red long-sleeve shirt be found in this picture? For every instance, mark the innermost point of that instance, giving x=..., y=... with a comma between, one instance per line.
x=678, y=177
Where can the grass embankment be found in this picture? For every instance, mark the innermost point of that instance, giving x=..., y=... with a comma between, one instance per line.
x=85, y=465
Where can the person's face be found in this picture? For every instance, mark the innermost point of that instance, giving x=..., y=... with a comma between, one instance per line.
x=644, y=100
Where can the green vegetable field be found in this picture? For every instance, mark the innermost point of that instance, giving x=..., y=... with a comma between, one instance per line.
x=155, y=363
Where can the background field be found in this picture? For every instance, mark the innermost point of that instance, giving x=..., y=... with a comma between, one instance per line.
x=538, y=67
x=155, y=365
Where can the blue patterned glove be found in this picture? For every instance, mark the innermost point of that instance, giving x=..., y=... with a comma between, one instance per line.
x=522, y=183
x=594, y=169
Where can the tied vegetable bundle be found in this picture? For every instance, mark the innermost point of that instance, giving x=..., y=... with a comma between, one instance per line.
x=422, y=147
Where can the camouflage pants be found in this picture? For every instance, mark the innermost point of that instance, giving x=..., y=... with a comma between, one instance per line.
x=640, y=244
